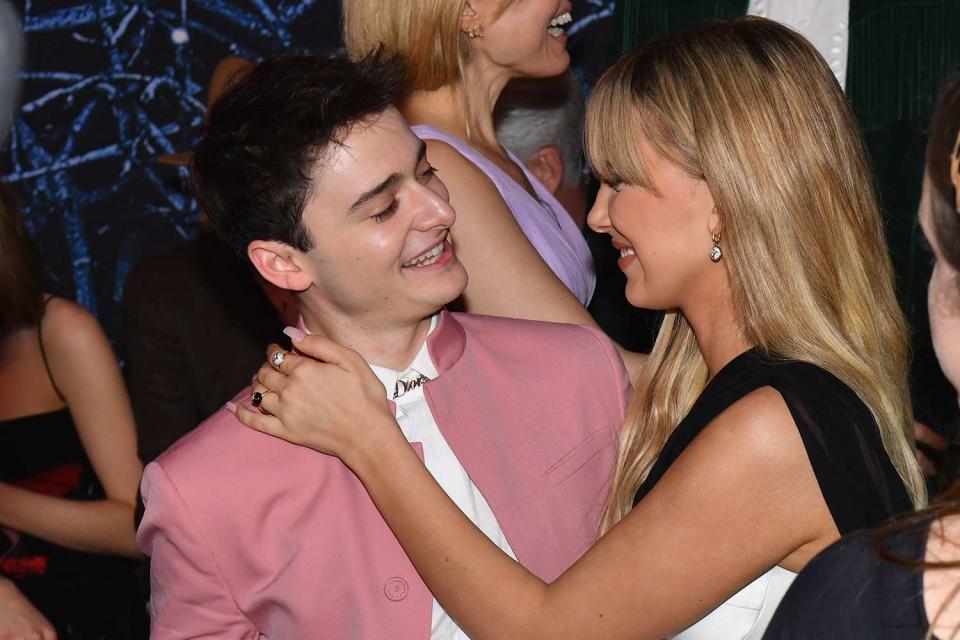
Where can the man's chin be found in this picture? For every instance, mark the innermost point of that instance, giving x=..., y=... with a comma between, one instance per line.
x=451, y=299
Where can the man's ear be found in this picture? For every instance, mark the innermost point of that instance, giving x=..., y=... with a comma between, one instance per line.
x=279, y=264
x=547, y=165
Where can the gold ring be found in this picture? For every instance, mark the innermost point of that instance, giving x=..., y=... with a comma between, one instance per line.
x=256, y=398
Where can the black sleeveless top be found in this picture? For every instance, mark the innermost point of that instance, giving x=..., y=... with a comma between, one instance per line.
x=849, y=591
x=858, y=482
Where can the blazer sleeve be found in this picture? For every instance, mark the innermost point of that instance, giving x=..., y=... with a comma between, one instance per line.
x=188, y=596
x=620, y=385
x=159, y=383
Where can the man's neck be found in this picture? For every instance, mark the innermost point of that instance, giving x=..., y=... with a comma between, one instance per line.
x=390, y=346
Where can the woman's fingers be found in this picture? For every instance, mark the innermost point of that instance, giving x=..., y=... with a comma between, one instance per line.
x=929, y=437
x=325, y=350
x=315, y=397
x=270, y=379
x=930, y=446
x=259, y=421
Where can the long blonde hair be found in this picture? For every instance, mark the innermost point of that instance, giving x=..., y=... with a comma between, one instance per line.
x=425, y=33
x=751, y=108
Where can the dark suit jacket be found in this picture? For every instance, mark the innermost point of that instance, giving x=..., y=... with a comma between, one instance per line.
x=196, y=326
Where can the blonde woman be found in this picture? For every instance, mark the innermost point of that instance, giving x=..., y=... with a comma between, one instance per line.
x=773, y=414
x=901, y=582
x=525, y=256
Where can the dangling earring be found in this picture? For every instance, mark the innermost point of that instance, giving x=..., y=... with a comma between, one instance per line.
x=476, y=31
x=715, y=252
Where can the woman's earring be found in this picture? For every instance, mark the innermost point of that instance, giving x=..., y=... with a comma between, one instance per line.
x=715, y=253
x=476, y=31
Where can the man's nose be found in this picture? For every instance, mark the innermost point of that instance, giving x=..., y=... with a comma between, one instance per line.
x=433, y=210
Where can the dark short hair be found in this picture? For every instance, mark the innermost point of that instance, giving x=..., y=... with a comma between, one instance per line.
x=264, y=135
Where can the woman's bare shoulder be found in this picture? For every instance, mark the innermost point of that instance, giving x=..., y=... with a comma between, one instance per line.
x=70, y=329
x=459, y=173
x=761, y=422
x=66, y=316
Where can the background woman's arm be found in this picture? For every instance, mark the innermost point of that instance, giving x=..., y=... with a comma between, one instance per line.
x=86, y=372
x=507, y=277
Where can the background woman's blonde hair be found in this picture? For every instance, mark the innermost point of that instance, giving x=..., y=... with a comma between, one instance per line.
x=751, y=108
x=425, y=33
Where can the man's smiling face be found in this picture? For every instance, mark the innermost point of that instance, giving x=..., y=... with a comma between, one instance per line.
x=380, y=220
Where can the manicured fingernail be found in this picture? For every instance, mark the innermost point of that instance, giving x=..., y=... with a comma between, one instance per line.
x=231, y=407
x=295, y=334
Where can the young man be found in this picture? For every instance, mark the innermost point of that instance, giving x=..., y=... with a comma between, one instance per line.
x=308, y=169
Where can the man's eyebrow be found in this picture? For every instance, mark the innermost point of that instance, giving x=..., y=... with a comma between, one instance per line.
x=386, y=184
x=373, y=193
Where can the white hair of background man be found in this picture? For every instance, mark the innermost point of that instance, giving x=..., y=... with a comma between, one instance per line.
x=11, y=59
x=534, y=113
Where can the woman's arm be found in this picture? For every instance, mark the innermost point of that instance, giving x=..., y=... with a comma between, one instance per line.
x=740, y=499
x=86, y=372
x=507, y=277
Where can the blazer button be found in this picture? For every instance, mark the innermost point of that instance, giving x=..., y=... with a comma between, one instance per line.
x=396, y=589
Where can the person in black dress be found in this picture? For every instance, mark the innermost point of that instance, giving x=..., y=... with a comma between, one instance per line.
x=890, y=583
x=68, y=464
x=772, y=415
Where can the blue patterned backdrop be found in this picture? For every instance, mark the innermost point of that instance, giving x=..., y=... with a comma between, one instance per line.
x=112, y=84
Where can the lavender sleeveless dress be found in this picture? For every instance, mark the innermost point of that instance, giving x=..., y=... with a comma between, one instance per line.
x=547, y=225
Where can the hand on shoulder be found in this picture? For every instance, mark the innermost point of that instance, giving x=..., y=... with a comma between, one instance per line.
x=324, y=397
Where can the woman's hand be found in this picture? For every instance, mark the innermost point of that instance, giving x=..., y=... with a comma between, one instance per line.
x=326, y=398
x=19, y=620
x=936, y=446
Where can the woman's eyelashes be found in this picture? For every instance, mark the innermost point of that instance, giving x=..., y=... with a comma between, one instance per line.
x=429, y=174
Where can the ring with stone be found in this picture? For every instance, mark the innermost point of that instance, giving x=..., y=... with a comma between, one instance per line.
x=277, y=359
x=256, y=398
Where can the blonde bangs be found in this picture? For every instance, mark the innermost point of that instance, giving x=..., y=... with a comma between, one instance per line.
x=613, y=126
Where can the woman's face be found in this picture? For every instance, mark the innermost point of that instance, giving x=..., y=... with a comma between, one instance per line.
x=528, y=38
x=943, y=297
x=663, y=236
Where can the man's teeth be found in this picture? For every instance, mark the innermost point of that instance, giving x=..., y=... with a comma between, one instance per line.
x=427, y=258
x=627, y=251
x=557, y=23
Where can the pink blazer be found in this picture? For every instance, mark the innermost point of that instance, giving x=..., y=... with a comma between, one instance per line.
x=250, y=535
